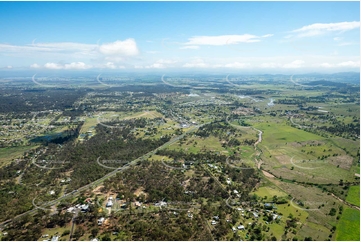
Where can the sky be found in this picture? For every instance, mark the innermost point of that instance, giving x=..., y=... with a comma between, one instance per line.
x=259, y=37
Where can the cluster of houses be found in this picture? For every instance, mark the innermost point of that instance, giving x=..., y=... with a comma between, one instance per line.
x=216, y=168
x=215, y=219
x=79, y=207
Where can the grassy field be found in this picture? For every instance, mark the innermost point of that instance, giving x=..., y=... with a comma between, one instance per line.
x=57, y=230
x=353, y=195
x=269, y=192
x=313, y=198
x=296, y=154
x=349, y=226
x=195, y=145
x=9, y=153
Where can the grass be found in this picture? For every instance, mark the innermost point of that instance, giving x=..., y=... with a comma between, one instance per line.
x=281, y=143
x=211, y=143
x=9, y=153
x=353, y=195
x=280, y=132
x=349, y=226
x=59, y=230
x=269, y=192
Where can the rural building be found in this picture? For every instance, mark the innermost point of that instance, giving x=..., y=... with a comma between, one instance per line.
x=101, y=221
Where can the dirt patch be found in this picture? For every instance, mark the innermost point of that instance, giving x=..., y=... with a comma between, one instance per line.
x=98, y=190
x=283, y=159
x=267, y=174
x=344, y=161
x=140, y=191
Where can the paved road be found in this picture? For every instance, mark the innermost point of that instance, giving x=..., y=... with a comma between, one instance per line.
x=110, y=174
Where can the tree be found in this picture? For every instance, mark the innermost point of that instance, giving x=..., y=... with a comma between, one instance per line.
x=332, y=212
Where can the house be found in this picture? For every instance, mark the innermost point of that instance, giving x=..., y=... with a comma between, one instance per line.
x=234, y=229
x=101, y=221
x=213, y=222
x=255, y=215
x=124, y=205
x=216, y=217
x=110, y=202
x=240, y=227
x=52, y=192
x=137, y=204
x=55, y=238
x=84, y=208
x=70, y=210
x=160, y=204
x=268, y=205
x=235, y=191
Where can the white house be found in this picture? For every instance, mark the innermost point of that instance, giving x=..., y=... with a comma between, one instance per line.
x=240, y=227
x=101, y=221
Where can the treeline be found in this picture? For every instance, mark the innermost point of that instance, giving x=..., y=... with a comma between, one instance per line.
x=25, y=100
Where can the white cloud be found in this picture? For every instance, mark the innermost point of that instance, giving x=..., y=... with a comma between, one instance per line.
x=156, y=66
x=326, y=65
x=237, y=65
x=138, y=67
x=222, y=40
x=345, y=44
x=269, y=65
x=189, y=47
x=161, y=64
x=196, y=63
x=127, y=47
x=351, y=64
x=76, y=66
x=70, y=66
x=320, y=28
x=337, y=38
x=117, y=51
x=35, y=66
x=294, y=64
x=53, y=66
x=110, y=65
x=267, y=35
x=152, y=52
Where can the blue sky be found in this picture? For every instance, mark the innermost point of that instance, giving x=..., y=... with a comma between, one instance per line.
x=263, y=37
